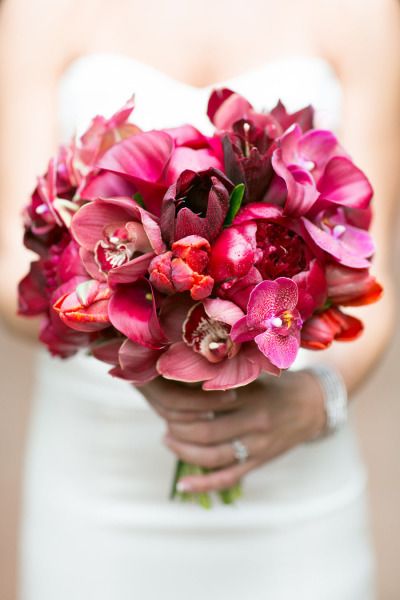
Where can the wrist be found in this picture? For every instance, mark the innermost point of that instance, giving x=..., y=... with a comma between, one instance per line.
x=314, y=404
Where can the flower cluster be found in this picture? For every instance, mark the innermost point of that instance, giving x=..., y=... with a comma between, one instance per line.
x=200, y=259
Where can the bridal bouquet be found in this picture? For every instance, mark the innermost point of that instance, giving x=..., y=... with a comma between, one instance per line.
x=199, y=259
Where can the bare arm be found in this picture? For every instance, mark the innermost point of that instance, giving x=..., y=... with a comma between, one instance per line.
x=368, y=64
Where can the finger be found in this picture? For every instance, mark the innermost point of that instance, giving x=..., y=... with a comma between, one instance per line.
x=225, y=427
x=221, y=455
x=177, y=416
x=175, y=396
x=219, y=480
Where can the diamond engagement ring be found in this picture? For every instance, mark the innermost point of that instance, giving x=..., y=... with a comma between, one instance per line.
x=240, y=451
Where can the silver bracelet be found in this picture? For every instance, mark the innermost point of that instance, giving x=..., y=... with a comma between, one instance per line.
x=335, y=396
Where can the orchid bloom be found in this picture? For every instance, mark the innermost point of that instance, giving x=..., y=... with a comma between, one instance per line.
x=118, y=239
x=313, y=167
x=208, y=353
x=183, y=268
x=348, y=245
x=272, y=321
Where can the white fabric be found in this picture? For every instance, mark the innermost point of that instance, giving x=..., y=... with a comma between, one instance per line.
x=97, y=522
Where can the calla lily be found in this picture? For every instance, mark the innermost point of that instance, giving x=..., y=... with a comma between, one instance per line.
x=183, y=268
x=153, y=160
x=133, y=312
x=272, y=321
x=208, y=353
x=322, y=329
x=86, y=308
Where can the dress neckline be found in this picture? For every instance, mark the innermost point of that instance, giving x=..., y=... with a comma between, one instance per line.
x=292, y=60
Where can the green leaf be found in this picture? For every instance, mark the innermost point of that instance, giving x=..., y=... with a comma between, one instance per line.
x=235, y=202
x=139, y=199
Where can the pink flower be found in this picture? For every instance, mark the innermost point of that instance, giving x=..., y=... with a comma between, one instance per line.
x=86, y=308
x=233, y=254
x=322, y=329
x=118, y=239
x=133, y=312
x=183, y=268
x=209, y=354
x=348, y=245
x=104, y=133
x=149, y=163
x=272, y=321
x=313, y=167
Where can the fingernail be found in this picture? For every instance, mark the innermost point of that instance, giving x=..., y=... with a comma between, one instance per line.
x=207, y=416
x=183, y=486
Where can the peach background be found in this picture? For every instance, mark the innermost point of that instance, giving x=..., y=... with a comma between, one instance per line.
x=377, y=412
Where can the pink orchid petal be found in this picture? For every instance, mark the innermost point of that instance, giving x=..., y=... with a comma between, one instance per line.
x=132, y=311
x=90, y=264
x=269, y=298
x=240, y=331
x=318, y=146
x=174, y=310
x=344, y=183
x=233, y=373
x=351, y=251
x=253, y=353
x=301, y=189
x=281, y=350
x=130, y=271
x=222, y=310
x=226, y=107
x=138, y=362
x=107, y=351
x=89, y=222
x=181, y=363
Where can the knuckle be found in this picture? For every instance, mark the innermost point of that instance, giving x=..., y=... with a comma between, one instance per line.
x=263, y=420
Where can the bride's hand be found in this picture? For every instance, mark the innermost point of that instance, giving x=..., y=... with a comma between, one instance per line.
x=268, y=417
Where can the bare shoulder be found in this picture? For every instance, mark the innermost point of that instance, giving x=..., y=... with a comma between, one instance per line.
x=36, y=32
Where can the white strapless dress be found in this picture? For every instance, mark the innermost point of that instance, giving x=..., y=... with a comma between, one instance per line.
x=97, y=523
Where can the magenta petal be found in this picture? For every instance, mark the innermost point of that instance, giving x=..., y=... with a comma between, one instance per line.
x=143, y=156
x=174, y=310
x=269, y=298
x=222, y=310
x=343, y=183
x=88, y=260
x=132, y=311
x=254, y=354
x=233, y=373
x=281, y=350
x=258, y=210
x=130, y=271
x=135, y=359
x=301, y=189
x=89, y=222
x=352, y=249
x=105, y=184
x=240, y=332
x=181, y=363
x=184, y=158
x=107, y=351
